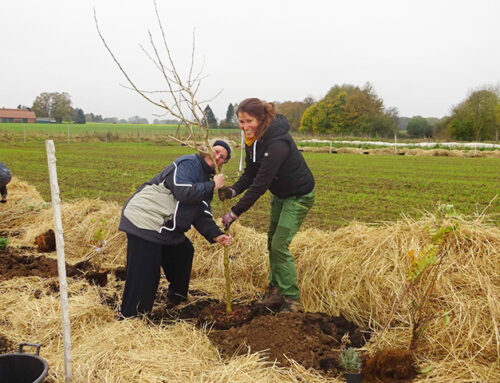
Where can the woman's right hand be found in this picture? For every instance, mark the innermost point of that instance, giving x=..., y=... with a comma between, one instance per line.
x=219, y=180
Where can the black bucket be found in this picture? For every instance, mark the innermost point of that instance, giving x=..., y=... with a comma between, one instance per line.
x=23, y=368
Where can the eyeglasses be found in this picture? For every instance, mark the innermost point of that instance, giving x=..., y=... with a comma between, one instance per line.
x=218, y=153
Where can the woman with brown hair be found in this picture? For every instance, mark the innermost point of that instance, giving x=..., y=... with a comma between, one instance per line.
x=273, y=162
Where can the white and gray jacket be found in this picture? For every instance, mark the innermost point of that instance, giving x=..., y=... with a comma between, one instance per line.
x=163, y=209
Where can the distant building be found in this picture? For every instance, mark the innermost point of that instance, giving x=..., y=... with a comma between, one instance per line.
x=46, y=120
x=17, y=115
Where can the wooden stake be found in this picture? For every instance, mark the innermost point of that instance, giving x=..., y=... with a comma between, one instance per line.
x=226, y=267
x=61, y=264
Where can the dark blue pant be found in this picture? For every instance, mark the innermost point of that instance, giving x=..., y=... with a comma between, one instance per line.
x=144, y=260
x=5, y=178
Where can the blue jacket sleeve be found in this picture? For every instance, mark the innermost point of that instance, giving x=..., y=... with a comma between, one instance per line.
x=206, y=225
x=186, y=185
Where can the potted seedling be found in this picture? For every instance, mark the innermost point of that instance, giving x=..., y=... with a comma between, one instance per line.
x=97, y=275
x=351, y=363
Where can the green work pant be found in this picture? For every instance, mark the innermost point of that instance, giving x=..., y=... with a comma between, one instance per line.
x=287, y=215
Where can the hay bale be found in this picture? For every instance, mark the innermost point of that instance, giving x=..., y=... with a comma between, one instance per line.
x=358, y=271
x=350, y=150
x=23, y=193
x=382, y=151
x=315, y=149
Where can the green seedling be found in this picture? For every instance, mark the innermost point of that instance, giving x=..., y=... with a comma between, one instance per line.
x=422, y=275
x=3, y=242
x=100, y=241
x=350, y=360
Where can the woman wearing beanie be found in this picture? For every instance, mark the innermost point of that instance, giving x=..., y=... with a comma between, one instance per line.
x=156, y=218
x=273, y=162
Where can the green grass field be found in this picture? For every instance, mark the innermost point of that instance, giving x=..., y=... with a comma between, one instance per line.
x=348, y=186
x=19, y=132
x=88, y=127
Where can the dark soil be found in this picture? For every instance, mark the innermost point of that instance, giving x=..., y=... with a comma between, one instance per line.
x=312, y=339
x=121, y=273
x=299, y=336
x=13, y=264
x=46, y=242
x=6, y=346
x=96, y=277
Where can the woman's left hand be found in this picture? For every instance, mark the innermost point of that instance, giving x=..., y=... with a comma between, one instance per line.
x=228, y=219
x=225, y=240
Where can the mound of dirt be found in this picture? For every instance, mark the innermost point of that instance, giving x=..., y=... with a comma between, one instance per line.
x=13, y=264
x=312, y=339
x=46, y=242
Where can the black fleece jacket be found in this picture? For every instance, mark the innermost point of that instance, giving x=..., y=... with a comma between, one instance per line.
x=277, y=165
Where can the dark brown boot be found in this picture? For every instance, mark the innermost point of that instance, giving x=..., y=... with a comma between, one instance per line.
x=290, y=305
x=273, y=299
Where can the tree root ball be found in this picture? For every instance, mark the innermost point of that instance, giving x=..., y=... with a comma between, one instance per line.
x=390, y=365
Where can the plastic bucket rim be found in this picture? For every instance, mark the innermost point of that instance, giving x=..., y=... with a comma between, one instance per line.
x=45, y=371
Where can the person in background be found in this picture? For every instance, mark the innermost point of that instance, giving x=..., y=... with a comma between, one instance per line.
x=273, y=162
x=156, y=218
x=5, y=177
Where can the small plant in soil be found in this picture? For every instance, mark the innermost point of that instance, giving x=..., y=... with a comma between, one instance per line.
x=425, y=270
x=3, y=242
x=350, y=360
x=99, y=242
x=351, y=363
x=422, y=275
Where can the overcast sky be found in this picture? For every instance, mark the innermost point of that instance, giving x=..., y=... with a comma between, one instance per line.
x=422, y=57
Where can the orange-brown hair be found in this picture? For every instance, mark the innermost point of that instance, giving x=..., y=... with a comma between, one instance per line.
x=263, y=111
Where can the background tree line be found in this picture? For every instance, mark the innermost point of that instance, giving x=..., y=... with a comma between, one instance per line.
x=346, y=110
x=53, y=105
x=57, y=105
x=477, y=118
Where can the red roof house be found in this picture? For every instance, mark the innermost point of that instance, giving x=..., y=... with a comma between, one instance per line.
x=17, y=115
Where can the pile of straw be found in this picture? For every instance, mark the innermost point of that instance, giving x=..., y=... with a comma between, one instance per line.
x=357, y=271
x=406, y=151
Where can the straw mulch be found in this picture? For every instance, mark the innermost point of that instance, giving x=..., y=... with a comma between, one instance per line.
x=359, y=271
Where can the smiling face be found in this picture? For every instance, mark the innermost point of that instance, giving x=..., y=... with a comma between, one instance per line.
x=249, y=124
x=220, y=154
